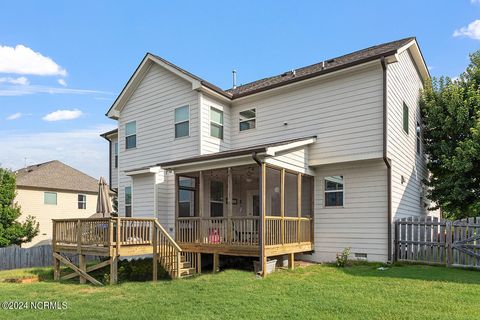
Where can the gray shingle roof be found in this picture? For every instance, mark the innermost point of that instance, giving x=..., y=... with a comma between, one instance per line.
x=329, y=65
x=56, y=175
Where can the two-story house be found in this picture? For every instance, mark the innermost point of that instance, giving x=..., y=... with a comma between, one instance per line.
x=313, y=160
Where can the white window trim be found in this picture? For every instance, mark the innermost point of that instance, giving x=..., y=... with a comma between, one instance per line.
x=82, y=194
x=217, y=123
x=136, y=140
x=330, y=191
x=240, y=121
x=189, y=122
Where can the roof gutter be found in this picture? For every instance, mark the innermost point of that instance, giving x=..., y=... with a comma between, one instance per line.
x=387, y=161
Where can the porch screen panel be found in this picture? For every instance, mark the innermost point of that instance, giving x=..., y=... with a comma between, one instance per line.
x=273, y=192
x=216, y=198
x=291, y=194
x=307, y=196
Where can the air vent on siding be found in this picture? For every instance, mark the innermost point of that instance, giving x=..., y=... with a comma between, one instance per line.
x=361, y=256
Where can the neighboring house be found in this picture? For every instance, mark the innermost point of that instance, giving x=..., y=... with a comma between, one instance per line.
x=315, y=159
x=53, y=190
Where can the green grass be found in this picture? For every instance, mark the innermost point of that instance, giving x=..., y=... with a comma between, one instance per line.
x=314, y=292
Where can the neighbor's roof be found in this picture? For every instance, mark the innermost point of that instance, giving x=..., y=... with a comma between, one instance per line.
x=56, y=175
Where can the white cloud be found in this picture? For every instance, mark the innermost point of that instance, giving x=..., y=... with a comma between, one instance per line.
x=84, y=149
x=471, y=31
x=63, y=115
x=62, y=82
x=14, y=116
x=23, y=60
x=34, y=89
x=20, y=80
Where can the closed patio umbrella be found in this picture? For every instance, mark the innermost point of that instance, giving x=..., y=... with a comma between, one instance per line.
x=104, y=203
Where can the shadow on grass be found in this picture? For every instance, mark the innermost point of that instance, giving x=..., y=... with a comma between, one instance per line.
x=413, y=272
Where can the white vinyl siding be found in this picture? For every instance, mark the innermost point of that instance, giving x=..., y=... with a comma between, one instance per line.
x=403, y=85
x=152, y=106
x=361, y=223
x=144, y=200
x=114, y=171
x=208, y=143
x=344, y=111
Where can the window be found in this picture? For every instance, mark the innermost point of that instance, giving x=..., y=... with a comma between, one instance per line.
x=291, y=194
x=50, y=198
x=187, y=196
x=131, y=135
x=247, y=119
x=419, y=133
x=334, y=191
x=128, y=201
x=116, y=154
x=182, y=117
x=216, y=123
x=82, y=201
x=216, y=198
x=405, y=118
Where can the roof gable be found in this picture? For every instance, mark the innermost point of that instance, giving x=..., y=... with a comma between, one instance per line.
x=331, y=65
x=56, y=175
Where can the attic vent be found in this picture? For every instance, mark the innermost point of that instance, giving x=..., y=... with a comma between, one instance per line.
x=330, y=61
x=361, y=256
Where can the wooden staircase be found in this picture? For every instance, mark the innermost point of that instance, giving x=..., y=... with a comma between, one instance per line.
x=170, y=256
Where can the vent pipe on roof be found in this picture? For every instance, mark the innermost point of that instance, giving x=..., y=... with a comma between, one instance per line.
x=234, y=79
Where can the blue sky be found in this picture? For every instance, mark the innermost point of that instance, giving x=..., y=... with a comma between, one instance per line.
x=64, y=62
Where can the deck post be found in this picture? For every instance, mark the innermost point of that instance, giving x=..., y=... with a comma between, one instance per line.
x=155, y=252
x=56, y=269
x=282, y=206
x=199, y=263
x=114, y=269
x=82, y=264
x=291, y=261
x=201, y=202
x=299, y=203
x=230, y=205
x=216, y=262
x=263, y=257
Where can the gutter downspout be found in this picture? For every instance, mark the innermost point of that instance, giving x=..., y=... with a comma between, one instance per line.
x=387, y=161
x=262, y=213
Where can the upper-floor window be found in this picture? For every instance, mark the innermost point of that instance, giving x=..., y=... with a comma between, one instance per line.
x=419, y=133
x=116, y=154
x=405, y=117
x=128, y=201
x=247, y=119
x=131, y=135
x=82, y=201
x=334, y=192
x=216, y=123
x=50, y=198
x=182, y=122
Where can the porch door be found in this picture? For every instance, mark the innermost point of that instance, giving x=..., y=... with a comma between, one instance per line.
x=253, y=203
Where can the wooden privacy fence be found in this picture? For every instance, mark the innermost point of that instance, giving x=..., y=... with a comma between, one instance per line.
x=14, y=257
x=438, y=241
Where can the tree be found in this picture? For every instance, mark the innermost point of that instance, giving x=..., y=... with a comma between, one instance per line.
x=451, y=118
x=11, y=230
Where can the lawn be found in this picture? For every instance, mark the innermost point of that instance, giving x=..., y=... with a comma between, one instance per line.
x=313, y=292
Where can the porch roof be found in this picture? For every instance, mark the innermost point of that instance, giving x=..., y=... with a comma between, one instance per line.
x=268, y=149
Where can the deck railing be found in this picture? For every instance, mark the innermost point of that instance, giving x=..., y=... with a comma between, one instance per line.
x=243, y=230
x=219, y=230
x=287, y=230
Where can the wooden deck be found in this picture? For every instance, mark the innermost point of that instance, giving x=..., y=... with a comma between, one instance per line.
x=239, y=236
x=112, y=238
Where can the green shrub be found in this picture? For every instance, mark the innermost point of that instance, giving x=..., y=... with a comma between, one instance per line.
x=342, y=258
